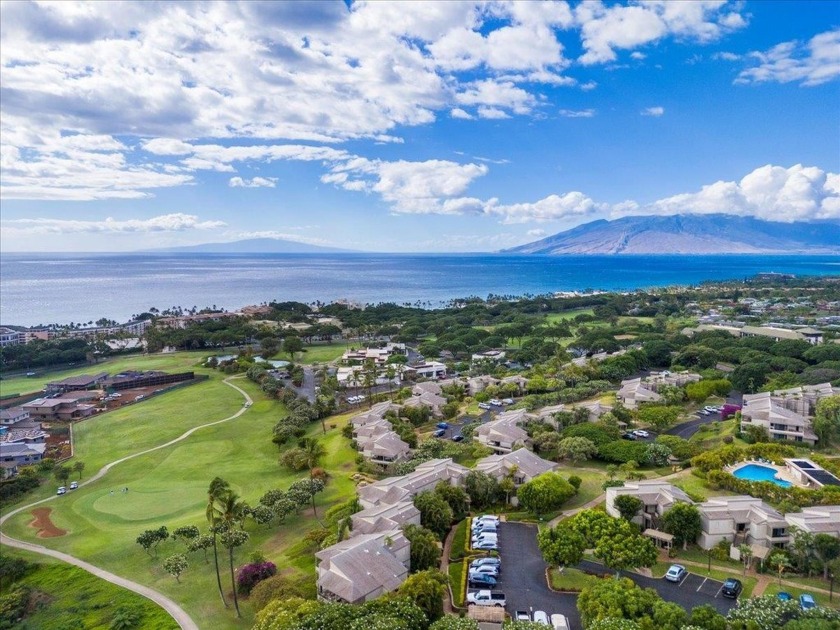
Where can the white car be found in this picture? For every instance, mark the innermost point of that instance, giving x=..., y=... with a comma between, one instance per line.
x=62, y=490
x=484, y=406
x=559, y=622
x=641, y=433
x=74, y=485
x=676, y=573
x=487, y=545
x=540, y=616
x=487, y=517
x=495, y=402
x=488, y=569
x=507, y=401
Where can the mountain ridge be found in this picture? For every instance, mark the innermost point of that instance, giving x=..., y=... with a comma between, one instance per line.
x=689, y=234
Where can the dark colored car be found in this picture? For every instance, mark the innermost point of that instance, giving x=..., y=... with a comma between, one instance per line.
x=806, y=601
x=784, y=597
x=628, y=436
x=458, y=438
x=482, y=580
x=439, y=433
x=442, y=425
x=731, y=588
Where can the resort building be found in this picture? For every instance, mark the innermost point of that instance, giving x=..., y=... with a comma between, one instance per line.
x=504, y=434
x=523, y=464
x=9, y=337
x=822, y=519
x=433, y=402
x=776, y=333
x=379, y=356
x=639, y=390
x=375, y=558
x=741, y=520
x=430, y=369
x=657, y=497
x=58, y=409
x=425, y=477
x=786, y=414
x=492, y=356
x=363, y=567
x=480, y=383
x=809, y=474
x=13, y=415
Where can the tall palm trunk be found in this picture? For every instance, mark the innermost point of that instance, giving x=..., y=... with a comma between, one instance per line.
x=218, y=574
x=233, y=585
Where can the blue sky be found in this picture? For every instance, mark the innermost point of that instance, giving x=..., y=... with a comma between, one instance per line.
x=442, y=126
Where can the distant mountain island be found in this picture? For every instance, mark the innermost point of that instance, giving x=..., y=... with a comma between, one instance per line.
x=253, y=246
x=690, y=234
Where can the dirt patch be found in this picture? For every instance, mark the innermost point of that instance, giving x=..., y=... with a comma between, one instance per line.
x=44, y=525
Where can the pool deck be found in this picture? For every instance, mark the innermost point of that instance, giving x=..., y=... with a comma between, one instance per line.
x=782, y=473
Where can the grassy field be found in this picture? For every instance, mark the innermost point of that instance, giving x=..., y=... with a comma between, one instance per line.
x=168, y=487
x=68, y=595
x=822, y=600
x=567, y=315
x=319, y=353
x=170, y=362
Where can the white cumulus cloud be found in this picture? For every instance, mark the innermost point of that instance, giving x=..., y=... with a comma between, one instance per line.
x=774, y=193
x=810, y=64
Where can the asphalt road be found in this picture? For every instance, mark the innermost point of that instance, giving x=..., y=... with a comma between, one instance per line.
x=522, y=578
x=687, y=429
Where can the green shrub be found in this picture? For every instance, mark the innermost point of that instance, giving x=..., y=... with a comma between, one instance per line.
x=460, y=540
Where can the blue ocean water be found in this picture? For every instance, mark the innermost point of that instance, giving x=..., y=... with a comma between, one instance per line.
x=46, y=288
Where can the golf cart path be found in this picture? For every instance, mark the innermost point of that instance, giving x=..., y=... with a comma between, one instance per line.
x=177, y=613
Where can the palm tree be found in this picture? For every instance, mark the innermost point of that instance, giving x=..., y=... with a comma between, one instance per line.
x=746, y=555
x=314, y=451
x=390, y=373
x=231, y=539
x=218, y=488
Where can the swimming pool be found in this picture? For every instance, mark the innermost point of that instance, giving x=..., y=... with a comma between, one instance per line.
x=755, y=472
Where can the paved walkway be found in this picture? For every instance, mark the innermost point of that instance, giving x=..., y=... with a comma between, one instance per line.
x=177, y=613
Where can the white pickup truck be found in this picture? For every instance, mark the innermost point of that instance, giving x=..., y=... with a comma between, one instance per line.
x=486, y=598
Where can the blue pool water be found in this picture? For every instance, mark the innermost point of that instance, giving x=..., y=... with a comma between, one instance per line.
x=755, y=472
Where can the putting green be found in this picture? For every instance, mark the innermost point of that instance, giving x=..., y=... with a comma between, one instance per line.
x=146, y=504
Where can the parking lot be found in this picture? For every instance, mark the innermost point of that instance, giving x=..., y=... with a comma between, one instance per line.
x=694, y=590
x=522, y=578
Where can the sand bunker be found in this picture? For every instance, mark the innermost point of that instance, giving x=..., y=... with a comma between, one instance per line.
x=44, y=525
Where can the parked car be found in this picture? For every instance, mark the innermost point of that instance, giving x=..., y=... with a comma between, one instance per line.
x=806, y=601
x=522, y=615
x=710, y=409
x=540, y=616
x=507, y=401
x=481, y=580
x=439, y=433
x=484, y=526
x=61, y=490
x=442, y=425
x=487, y=569
x=74, y=485
x=641, y=433
x=484, y=406
x=487, y=517
x=486, y=545
x=559, y=622
x=495, y=402
x=487, y=598
x=676, y=573
x=458, y=438
x=628, y=436
x=785, y=597
x=731, y=588
x=488, y=537
x=493, y=562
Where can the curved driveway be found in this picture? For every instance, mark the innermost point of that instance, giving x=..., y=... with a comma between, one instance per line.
x=177, y=613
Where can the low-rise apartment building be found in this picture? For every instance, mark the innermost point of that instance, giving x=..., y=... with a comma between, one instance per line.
x=786, y=414
x=523, y=464
x=504, y=434
x=657, y=497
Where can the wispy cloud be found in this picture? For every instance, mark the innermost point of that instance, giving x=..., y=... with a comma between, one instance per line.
x=577, y=113
x=176, y=222
x=810, y=64
x=656, y=112
x=256, y=182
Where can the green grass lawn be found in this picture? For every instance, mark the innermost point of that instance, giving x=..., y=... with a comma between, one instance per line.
x=70, y=595
x=589, y=489
x=168, y=487
x=169, y=362
x=569, y=579
x=566, y=315
x=458, y=581
x=320, y=352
